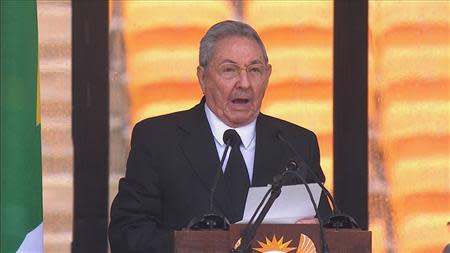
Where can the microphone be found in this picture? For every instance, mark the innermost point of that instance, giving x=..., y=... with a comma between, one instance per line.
x=247, y=235
x=229, y=139
x=293, y=168
x=213, y=220
x=337, y=219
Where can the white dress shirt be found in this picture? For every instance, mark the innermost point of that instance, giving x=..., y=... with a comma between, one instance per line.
x=247, y=134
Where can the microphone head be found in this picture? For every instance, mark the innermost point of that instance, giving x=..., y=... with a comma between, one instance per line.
x=208, y=222
x=341, y=220
x=229, y=137
x=292, y=165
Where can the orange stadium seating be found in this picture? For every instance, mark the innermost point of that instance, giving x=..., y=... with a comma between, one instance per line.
x=409, y=80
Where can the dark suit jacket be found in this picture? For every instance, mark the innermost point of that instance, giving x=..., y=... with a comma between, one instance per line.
x=170, y=169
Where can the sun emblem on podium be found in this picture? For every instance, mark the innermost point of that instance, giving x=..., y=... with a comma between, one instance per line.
x=306, y=245
x=274, y=246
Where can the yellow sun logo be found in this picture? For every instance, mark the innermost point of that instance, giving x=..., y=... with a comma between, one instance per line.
x=274, y=246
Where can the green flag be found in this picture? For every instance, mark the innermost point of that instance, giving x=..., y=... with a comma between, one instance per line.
x=20, y=142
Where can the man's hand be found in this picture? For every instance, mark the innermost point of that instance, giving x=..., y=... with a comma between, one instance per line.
x=308, y=221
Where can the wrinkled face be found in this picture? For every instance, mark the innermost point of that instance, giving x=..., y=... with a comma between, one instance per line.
x=235, y=80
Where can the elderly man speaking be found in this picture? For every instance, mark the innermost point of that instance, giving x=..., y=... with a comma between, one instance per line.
x=174, y=158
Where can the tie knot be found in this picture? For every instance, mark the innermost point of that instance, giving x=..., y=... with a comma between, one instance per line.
x=232, y=137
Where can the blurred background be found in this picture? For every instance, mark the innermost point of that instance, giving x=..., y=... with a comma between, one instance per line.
x=153, y=49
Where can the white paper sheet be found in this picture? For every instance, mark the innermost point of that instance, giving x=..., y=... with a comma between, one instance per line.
x=292, y=204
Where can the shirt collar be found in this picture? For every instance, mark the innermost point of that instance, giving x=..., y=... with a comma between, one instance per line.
x=247, y=132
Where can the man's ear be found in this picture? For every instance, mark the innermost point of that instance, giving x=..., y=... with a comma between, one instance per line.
x=269, y=70
x=201, y=77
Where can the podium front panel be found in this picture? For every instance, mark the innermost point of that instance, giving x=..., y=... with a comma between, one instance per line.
x=208, y=241
x=304, y=238
x=295, y=238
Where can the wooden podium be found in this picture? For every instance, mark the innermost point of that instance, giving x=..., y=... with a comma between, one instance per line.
x=275, y=238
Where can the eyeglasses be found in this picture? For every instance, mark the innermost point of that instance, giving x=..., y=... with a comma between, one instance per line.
x=255, y=72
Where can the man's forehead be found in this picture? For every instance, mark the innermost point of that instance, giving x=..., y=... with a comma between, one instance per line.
x=223, y=50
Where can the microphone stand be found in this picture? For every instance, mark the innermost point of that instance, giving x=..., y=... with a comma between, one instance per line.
x=249, y=232
x=337, y=219
x=325, y=248
x=213, y=220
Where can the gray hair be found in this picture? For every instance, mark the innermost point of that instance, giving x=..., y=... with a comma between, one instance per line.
x=225, y=29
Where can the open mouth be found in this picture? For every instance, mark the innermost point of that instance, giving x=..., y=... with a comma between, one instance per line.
x=240, y=101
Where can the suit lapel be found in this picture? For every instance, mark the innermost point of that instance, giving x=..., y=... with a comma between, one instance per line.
x=200, y=150
x=270, y=154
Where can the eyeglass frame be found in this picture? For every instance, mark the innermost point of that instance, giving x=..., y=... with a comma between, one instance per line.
x=246, y=68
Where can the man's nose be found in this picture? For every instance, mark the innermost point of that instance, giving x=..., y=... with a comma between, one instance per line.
x=243, y=81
